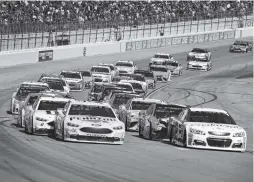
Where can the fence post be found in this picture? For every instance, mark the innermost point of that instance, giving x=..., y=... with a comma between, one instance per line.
x=225, y=22
x=184, y=26
x=198, y=25
x=35, y=41
x=123, y=31
x=90, y=33
x=1, y=41
x=157, y=27
x=204, y=23
x=76, y=27
x=177, y=24
x=15, y=34
x=22, y=37
x=8, y=38
x=96, y=34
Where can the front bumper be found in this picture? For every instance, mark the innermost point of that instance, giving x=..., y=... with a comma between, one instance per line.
x=116, y=137
x=43, y=128
x=217, y=143
x=75, y=87
x=193, y=67
x=237, y=50
x=132, y=124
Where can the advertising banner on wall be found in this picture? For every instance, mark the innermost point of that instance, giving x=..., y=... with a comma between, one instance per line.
x=46, y=55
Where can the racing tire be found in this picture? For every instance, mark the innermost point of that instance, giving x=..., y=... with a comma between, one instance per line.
x=139, y=131
x=32, y=130
x=54, y=132
x=151, y=132
x=26, y=131
x=63, y=139
x=170, y=134
x=184, y=140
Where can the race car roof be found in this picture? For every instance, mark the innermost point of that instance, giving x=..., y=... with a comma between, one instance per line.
x=124, y=62
x=166, y=54
x=131, y=81
x=142, y=71
x=158, y=66
x=54, y=98
x=34, y=83
x=100, y=66
x=90, y=103
x=208, y=110
x=70, y=71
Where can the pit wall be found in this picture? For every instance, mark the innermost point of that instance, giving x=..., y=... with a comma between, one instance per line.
x=31, y=56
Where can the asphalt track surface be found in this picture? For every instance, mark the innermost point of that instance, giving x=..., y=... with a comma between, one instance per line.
x=26, y=158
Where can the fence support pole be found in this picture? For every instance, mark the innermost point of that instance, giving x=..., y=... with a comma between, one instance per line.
x=76, y=27
x=90, y=34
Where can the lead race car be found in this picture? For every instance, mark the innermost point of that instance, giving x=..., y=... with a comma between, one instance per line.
x=102, y=72
x=162, y=73
x=24, y=89
x=74, y=80
x=206, y=128
x=199, y=53
x=125, y=67
x=199, y=64
x=89, y=122
x=159, y=58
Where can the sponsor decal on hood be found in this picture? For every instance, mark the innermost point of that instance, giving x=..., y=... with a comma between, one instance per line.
x=214, y=127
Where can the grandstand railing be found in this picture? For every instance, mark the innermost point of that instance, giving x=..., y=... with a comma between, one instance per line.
x=17, y=36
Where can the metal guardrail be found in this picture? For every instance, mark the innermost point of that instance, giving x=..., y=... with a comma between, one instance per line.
x=35, y=35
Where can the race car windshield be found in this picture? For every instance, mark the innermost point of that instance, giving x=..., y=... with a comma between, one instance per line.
x=135, y=105
x=173, y=64
x=243, y=44
x=164, y=111
x=124, y=64
x=58, y=80
x=120, y=100
x=237, y=43
x=86, y=74
x=159, y=63
x=51, y=105
x=148, y=75
x=97, y=88
x=158, y=69
x=136, y=86
x=198, y=50
x=161, y=56
x=138, y=78
x=99, y=70
x=56, y=86
x=71, y=75
x=31, y=100
x=126, y=87
x=25, y=90
x=200, y=60
x=90, y=110
x=210, y=117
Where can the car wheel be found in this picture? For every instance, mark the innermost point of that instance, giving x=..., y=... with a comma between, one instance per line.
x=32, y=124
x=151, y=132
x=139, y=131
x=26, y=131
x=54, y=132
x=63, y=139
x=185, y=140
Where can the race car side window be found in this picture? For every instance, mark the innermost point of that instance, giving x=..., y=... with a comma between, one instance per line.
x=183, y=115
x=35, y=104
x=66, y=108
x=128, y=104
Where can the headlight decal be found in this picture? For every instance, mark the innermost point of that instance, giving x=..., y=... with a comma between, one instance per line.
x=239, y=134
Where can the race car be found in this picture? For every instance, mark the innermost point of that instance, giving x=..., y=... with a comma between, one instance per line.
x=114, y=71
x=149, y=77
x=241, y=46
x=199, y=53
x=89, y=122
x=175, y=67
x=31, y=98
x=129, y=112
x=206, y=128
x=153, y=122
x=102, y=72
x=39, y=119
x=119, y=99
x=138, y=86
x=125, y=67
x=95, y=94
x=162, y=73
x=57, y=78
x=55, y=85
x=199, y=64
x=87, y=78
x=74, y=80
x=113, y=91
x=24, y=89
x=160, y=58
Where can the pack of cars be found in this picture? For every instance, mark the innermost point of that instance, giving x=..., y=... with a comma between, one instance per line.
x=117, y=103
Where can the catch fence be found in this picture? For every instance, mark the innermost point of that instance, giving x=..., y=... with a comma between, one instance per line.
x=17, y=36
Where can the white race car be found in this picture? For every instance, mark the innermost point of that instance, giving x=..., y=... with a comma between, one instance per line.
x=114, y=71
x=57, y=78
x=162, y=73
x=25, y=88
x=74, y=80
x=175, y=67
x=199, y=64
x=138, y=86
x=207, y=129
x=55, y=85
x=129, y=113
x=89, y=122
x=101, y=72
x=40, y=117
x=199, y=53
x=125, y=67
x=160, y=57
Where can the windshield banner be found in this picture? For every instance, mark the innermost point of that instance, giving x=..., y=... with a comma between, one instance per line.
x=177, y=40
x=45, y=56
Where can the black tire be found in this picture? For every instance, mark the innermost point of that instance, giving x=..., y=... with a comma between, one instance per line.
x=184, y=140
x=26, y=131
x=32, y=130
x=170, y=134
x=151, y=132
x=63, y=133
x=54, y=132
x=139, y=131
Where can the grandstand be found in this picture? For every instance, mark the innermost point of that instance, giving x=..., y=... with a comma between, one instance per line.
x=35, y=24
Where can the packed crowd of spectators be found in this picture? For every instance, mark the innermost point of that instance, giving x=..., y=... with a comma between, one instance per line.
x=96, y=11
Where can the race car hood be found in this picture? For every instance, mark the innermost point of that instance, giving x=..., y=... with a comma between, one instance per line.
x=94, y=121
x=100, y=75
x=197, y=55
x=49, y=115
x=238, y=46
x=157, y=59
x=134, y=113
x=214, y=127
x=197, y=63
x=123, y=68
x=68, y=80
x=159, y=73
x=172, y=68
x=87, y=79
